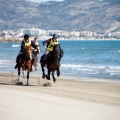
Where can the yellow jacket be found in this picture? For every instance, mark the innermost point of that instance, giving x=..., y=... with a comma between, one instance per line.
x=51, y=45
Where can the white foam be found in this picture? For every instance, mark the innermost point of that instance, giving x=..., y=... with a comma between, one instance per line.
x=116, y=51
x=5, y=61
x=93, y=69
x=72, y=66
x=83, y=48
x=15, y=45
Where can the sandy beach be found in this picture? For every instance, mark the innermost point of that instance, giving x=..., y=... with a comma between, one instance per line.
x=70, y=98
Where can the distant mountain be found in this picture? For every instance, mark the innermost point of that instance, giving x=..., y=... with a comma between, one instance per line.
x=113, y=1
x=93, y=15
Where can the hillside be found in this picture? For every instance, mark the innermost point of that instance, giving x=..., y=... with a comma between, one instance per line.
x=93, y=15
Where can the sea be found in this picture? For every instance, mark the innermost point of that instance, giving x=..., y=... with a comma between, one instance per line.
x=82, y=58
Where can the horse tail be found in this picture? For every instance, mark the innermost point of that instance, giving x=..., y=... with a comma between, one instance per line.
x=61, y=53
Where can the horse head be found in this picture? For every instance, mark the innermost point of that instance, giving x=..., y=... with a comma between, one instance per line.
x=57, y=51
x=28, y=53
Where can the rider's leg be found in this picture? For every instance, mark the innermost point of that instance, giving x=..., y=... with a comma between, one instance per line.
x=18, y=59
x=45, y=56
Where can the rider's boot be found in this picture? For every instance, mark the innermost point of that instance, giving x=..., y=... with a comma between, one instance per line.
x=45, y=58
x=59, y=64
x=17, y=62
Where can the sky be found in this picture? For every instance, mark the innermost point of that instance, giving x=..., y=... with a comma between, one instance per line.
x=43, y=0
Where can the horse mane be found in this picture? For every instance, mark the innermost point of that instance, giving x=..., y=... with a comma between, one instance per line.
x=62, y=53
x=26, y=54
x=61, y=50
x=51, y=58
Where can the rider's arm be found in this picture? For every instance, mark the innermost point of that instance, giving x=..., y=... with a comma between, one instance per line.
x=46, y=41
x=23, y=46
x=33, y=45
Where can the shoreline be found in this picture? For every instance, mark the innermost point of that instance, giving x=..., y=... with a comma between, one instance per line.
x=41, y=39
x=66, y=77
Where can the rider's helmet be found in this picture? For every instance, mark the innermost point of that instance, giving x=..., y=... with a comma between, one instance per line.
x=54, y=36
x=26, y=36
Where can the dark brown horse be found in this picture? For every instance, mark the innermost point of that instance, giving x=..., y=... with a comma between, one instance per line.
x=35, y=54
x=53, y=62
x=35, y=60
x=26, y=63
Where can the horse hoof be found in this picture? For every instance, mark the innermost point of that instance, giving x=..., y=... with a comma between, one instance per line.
x=23, y=76
x=48, y=78
x=58, y=74
x=19, y=83
x=43, y=76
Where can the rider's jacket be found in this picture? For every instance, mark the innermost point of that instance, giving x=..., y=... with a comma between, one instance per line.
x=38, y=47
x=36, y=43
x=51, y=44
x=26, y=44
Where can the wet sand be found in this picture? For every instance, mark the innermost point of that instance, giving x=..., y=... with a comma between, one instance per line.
x=70, y=98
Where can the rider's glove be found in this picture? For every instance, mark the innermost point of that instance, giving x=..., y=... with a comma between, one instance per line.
x=35, y=50
x=45, y=47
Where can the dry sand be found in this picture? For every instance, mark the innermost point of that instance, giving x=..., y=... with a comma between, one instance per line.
x=70, y=98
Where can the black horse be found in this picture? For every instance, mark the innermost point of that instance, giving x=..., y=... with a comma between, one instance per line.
x=53, y=62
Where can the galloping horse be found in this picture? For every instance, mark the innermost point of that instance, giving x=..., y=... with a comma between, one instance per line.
x=35, y=53
x=26, y=63
x=53, y=62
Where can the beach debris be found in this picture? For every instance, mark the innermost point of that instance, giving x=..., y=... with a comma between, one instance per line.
x=39, y=83
x=48, y=84
x=19, y=83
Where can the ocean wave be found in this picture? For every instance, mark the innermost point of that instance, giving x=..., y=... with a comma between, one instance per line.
x=82, y=66
x=5, y=61
x=15, y=45
x=116, y=51
x=83, y=48
x=93, y=69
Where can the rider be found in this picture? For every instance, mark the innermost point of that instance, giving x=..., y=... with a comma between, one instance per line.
x=50, y=44
x=25, y=43
x=35, y=53
x=37, y=44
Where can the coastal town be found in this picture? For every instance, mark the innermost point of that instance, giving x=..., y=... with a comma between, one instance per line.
x=17, y=35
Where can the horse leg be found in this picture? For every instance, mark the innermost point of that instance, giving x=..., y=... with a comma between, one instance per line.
x=36, y=60
x=34, y=64
x=48, y=76
x=23, y=72
x=43, y=76
x=53, y=76
x=58, y=72
x=28, y=72
x=18, y=74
